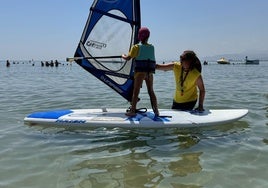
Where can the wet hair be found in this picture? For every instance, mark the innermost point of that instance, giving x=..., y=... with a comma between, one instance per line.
x=189, y=55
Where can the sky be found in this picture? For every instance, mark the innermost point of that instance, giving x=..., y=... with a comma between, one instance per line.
x=51, y=29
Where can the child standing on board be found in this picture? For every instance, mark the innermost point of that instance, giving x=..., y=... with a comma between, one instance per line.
x=144, y=69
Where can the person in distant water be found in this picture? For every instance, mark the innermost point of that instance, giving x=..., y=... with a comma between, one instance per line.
x=188, y=78
x=56, y=63
x=47, y=64
x=144, y=56
x=51, y=63
x=8, y=63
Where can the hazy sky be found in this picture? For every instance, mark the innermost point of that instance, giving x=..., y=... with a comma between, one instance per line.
x=51, y=29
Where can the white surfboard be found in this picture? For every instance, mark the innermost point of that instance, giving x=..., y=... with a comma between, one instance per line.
x=111, y=118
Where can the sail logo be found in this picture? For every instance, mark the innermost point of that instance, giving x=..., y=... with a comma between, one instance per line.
x=109, y=83
x=96, y=44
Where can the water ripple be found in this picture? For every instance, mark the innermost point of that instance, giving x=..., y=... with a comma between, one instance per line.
x=231, y=155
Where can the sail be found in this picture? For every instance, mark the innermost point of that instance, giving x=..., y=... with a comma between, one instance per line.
x=110, y=31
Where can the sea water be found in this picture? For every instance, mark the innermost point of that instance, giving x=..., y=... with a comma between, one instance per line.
x=231, y=155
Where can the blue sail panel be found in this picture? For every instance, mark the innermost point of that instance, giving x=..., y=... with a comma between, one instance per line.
x=110, y=31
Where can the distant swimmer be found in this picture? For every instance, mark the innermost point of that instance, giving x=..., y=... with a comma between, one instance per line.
x=51, y=63
x=8, y=63
x=47, y=64
x=56, y=63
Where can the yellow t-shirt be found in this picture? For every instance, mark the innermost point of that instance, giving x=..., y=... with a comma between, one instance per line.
x=134, y=51
x=189, y=88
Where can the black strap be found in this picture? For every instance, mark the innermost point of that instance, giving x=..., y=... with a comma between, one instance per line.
x=139, y=110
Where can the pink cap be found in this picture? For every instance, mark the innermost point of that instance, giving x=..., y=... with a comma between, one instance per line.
x=143, y=34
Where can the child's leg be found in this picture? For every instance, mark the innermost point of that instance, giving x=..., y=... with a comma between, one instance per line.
x=149, y=82
x=138, y=79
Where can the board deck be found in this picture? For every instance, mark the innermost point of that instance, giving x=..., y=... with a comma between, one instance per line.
x=112, y=117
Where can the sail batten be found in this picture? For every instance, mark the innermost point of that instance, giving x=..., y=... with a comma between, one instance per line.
x=111, y=30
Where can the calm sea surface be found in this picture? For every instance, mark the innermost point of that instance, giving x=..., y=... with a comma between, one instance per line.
x=231, y=155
